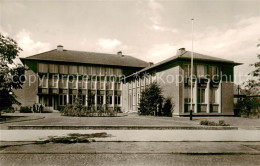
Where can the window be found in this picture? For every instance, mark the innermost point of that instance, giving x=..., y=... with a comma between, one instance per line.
x=82, y=99
x=117, y=100
x=117, y=72
x=187, y=71
x=138, y=82
x=63, y=99
x=117, y=86
x=64, y=83
x=100, y=99
x=138, y=98
x=109, y=85
x=63, y=69
x=72, y=98
x=109, y=71
x=94, y=70
x=54, y=82
x=84, y=83
x=53, y=68
x=102, y=71
x=214, y=72
x=187, y=93
x=73, y=84
x=43, y=82
x=83, y=70
x=91, y=99
x=214, y=96
x=201, y=70
x=201, y=95
x=109, y=99
x=42, y=68
x=93, y=84
x=73, y=69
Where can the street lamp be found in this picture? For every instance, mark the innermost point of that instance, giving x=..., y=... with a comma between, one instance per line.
x=191, y=77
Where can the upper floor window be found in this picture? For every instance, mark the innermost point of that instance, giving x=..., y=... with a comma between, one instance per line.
x=83, y=70
x=214, y=72
x=201, y=71
x=53, y=68
x=214, y=96
x=201, y=95
x=42, y=68
x=73, y=69
x=63, y=69
x=109, y=71
x=43, y=82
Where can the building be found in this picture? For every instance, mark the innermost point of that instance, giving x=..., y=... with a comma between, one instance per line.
x=213, y=87
x=57, y=77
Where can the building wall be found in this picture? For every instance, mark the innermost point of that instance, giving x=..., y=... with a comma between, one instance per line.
x=125, y=97
x=168, y=79
x=227, y=98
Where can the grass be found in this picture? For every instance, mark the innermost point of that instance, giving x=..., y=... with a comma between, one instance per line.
x=76, y=138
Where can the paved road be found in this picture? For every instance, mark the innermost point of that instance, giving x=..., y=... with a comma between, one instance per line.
x=127, y=159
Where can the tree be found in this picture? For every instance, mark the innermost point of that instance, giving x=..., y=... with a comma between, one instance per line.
x=251, y=104
x=10, y=73
x=253, y=85
x=151, y=100
x=167, y=107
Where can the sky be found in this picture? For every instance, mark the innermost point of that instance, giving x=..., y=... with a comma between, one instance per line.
x=151, y=30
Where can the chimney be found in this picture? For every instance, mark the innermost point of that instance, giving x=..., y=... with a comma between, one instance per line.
x=120, y=53
x=150, y=64
x=180, y=51
x=60, y=48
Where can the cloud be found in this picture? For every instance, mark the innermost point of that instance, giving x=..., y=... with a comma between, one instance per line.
x=29, y=46
x=163, y=29
x=109, y=44
x=3, y=32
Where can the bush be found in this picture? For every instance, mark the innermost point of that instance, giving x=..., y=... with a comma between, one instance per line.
x=211, y=123
x=248, y=107
x=151, y=100
x=25, y=109
x=77, y=109
x=9, y=110
x=167, y=107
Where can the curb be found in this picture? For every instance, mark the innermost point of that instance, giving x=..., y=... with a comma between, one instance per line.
x=139, y=152
x=22, y=120
x=116, y=127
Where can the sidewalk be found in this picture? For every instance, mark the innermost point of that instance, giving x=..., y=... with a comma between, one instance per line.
x=195, y=148
x=139, y=135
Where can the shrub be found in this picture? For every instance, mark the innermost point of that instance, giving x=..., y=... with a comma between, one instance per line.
x=211, y=123
x=167, y=107
x=25, y=109
x=248, y=107
x=9, y=110
x=151, y=100
x=77, y=109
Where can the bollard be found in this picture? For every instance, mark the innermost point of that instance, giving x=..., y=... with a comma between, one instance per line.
x=190, y=114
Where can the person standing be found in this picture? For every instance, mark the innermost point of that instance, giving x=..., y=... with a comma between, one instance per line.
x=41, y=108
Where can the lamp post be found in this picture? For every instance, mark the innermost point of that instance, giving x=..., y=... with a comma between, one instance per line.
x=191, y=75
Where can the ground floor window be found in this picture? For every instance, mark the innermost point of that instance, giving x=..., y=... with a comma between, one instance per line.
x=118, y=100
x=100, y=99
x=82, y=99
x=72, y=98
x=109, y=100
x=63, y=99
